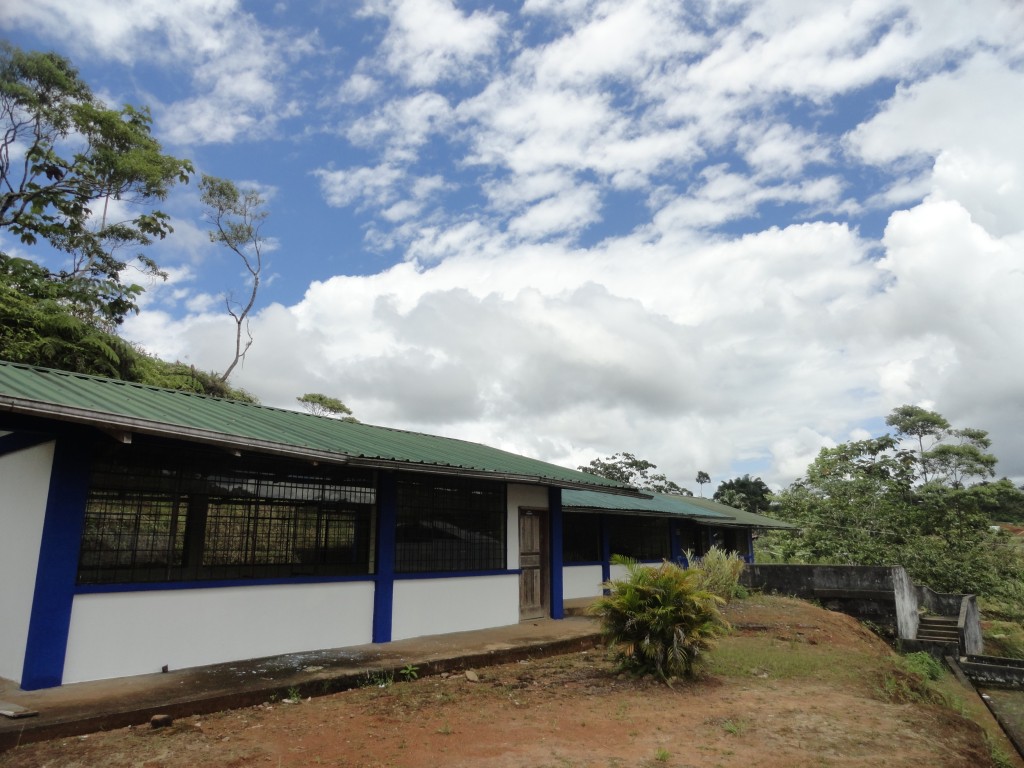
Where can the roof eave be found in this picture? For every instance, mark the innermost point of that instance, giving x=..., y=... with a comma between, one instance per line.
x=107, y=422
x=643, y=513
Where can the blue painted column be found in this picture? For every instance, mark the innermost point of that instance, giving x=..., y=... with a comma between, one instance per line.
x=555, y=552
x=57, y=571
x=750, y=545
x=675, y=541
x=384, y=589
x=606, y=549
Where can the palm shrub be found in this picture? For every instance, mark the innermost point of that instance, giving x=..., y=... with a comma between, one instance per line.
x=661, y=616
x=719, y=572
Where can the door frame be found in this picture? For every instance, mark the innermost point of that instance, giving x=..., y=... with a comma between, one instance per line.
x=543, y=515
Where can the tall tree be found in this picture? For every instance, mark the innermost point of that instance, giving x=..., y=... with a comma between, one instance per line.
x=954, y=463
x=237, y=218
x=928, y=428
x=626, y=468
x=64, y=156
x=863, y=503
x=702, y=478
x=850, y=503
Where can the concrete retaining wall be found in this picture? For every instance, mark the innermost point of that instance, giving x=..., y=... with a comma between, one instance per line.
x=994, y=671
x=883, y=595
x=940, y=603
x=969, y=626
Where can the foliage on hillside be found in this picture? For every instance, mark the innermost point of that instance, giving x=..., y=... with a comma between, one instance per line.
x=879, y=502
x=64, y=158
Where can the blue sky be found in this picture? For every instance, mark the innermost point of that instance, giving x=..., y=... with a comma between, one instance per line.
x=718, y=235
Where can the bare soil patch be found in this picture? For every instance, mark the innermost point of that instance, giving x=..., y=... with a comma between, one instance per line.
x=793, y=686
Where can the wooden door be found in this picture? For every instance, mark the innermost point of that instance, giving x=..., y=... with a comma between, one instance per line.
x=533, y=565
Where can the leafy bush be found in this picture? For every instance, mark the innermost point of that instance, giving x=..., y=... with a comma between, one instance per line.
x=719, y=572
x=924, y=664
x=662, y=616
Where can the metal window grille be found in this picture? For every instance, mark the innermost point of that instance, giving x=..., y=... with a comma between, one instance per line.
x=132, y=536
x=153, y=517
x=450, y=524
x=581, y=537
x=690, y=539
x=639, y=538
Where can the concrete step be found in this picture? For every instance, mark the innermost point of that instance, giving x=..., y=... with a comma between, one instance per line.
x=938, y=629
x=934, y=637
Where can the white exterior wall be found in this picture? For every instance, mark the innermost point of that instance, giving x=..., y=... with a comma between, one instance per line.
x=130, y=633
x=618, y=572
x=455, y=604
x=581, y=581
x=25, y=484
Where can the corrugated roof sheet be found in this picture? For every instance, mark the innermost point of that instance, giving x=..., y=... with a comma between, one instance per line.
x=704, y=510
x=121, y=405
x=654, y=504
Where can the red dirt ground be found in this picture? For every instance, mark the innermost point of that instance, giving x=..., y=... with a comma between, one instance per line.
x=793, y=686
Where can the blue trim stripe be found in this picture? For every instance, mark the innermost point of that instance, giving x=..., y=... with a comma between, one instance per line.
x=606, y=549
x=50, y=619
x=156, y=586
x=555, y=547
x=387, y=523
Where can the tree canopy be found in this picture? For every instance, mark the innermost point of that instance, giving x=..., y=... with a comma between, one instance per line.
x=751, y=494
x=64, y=157
x=875, y=502
x=624, y=467
x=79, y=183
x=952, y=463
x=323, y=405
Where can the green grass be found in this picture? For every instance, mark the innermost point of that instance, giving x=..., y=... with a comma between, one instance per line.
x=734, y=727
x=1004, y=638
x=923, y=664
x=775, y=659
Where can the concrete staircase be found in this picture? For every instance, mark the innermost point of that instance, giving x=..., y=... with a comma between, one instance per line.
x=941, y=630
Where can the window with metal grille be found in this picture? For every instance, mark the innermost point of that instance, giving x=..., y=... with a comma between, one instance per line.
x=690, y=538
x=581, y=538
x=450, y=524
x=133, y=536
x=641, y=538
x=153, y=515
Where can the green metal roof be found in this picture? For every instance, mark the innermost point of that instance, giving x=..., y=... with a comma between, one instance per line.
x=740, y=516
x=653, y=504
x=127, y=407
x=703, y=510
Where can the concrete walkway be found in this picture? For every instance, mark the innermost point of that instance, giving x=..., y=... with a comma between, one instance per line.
x=106, y=704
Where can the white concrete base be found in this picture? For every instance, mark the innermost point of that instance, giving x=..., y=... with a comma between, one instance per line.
x=131, y=633
x=437, y=606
